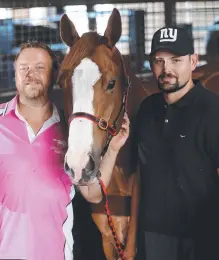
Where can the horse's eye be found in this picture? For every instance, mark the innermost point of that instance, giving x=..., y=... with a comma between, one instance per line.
x=111, y=84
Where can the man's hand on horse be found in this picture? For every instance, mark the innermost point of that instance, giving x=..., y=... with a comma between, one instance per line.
x=119, y=140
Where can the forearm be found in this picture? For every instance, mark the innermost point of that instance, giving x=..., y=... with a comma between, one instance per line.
x=93, y=192
x=107, y=165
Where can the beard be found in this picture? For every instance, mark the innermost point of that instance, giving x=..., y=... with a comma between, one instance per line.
x=34, y=91
x=167, y=87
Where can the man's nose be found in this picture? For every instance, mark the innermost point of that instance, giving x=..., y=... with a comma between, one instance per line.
x=31, y=71
x=167, y=66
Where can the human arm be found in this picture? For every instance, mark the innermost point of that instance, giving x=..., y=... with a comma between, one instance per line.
x=92, y=193
x=131, y=244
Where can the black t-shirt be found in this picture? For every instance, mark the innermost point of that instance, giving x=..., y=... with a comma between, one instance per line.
x=178, y=153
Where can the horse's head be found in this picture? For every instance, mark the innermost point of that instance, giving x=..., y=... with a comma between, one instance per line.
x=92, y=77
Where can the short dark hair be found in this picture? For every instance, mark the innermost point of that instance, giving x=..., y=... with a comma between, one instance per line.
x=40, y=45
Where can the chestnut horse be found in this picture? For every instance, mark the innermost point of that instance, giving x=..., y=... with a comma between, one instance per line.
x=94, y=78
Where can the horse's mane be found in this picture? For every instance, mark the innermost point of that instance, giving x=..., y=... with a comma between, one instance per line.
x=83, y=48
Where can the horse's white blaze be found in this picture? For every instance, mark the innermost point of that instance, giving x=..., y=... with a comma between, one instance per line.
x=80, y=140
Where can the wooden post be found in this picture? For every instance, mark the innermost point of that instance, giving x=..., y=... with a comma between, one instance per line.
x=170, y=13
x=91, y=20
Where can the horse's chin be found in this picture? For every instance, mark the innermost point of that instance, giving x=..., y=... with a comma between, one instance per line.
x=82, y=182
x=88, y=179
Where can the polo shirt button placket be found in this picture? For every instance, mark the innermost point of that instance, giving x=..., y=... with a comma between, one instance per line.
x=166, y=120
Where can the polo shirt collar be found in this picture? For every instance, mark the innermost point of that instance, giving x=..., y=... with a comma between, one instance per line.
x=12, y=106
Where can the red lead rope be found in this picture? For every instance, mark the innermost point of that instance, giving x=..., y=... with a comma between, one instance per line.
x=119, y=245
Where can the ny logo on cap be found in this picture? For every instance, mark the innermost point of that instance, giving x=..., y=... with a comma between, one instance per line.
x=168, y=35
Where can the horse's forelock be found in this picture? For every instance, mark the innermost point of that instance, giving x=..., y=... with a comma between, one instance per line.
x=83, y=48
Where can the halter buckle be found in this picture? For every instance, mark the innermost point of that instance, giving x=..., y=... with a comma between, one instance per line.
x=103, y=124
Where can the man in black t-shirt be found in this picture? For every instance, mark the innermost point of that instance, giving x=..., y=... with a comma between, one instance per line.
x=177, y=133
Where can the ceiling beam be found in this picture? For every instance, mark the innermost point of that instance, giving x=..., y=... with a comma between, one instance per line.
x=36, y=3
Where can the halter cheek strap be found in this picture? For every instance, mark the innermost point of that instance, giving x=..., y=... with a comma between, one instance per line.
x=100, y=122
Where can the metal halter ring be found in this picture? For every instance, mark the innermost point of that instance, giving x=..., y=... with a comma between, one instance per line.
x=103, y=124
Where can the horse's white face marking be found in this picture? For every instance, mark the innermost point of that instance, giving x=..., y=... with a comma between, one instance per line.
x=80, y=140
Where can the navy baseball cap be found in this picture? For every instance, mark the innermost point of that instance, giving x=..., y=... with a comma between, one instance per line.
x=174, y=39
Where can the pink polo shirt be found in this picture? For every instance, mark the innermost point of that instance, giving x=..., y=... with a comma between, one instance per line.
x=35, y=192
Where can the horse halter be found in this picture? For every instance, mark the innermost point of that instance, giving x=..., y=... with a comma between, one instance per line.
x=102, y=123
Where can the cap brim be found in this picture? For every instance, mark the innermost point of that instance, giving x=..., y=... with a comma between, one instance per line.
x=170, y=49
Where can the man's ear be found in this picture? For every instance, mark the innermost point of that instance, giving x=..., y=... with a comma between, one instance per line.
x=54, y=76
x=150, y=62
x=194, y=61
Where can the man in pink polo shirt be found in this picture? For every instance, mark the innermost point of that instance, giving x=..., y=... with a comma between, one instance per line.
x=36, y=216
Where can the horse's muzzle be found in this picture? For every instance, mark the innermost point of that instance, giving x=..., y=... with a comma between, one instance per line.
x=87, y=175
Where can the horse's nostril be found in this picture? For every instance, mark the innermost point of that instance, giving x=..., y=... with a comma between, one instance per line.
x=66, y=167
x=68, y=170
x=90, y=167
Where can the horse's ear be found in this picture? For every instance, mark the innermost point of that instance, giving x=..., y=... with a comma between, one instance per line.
x=114, y=28
x=68, y=32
